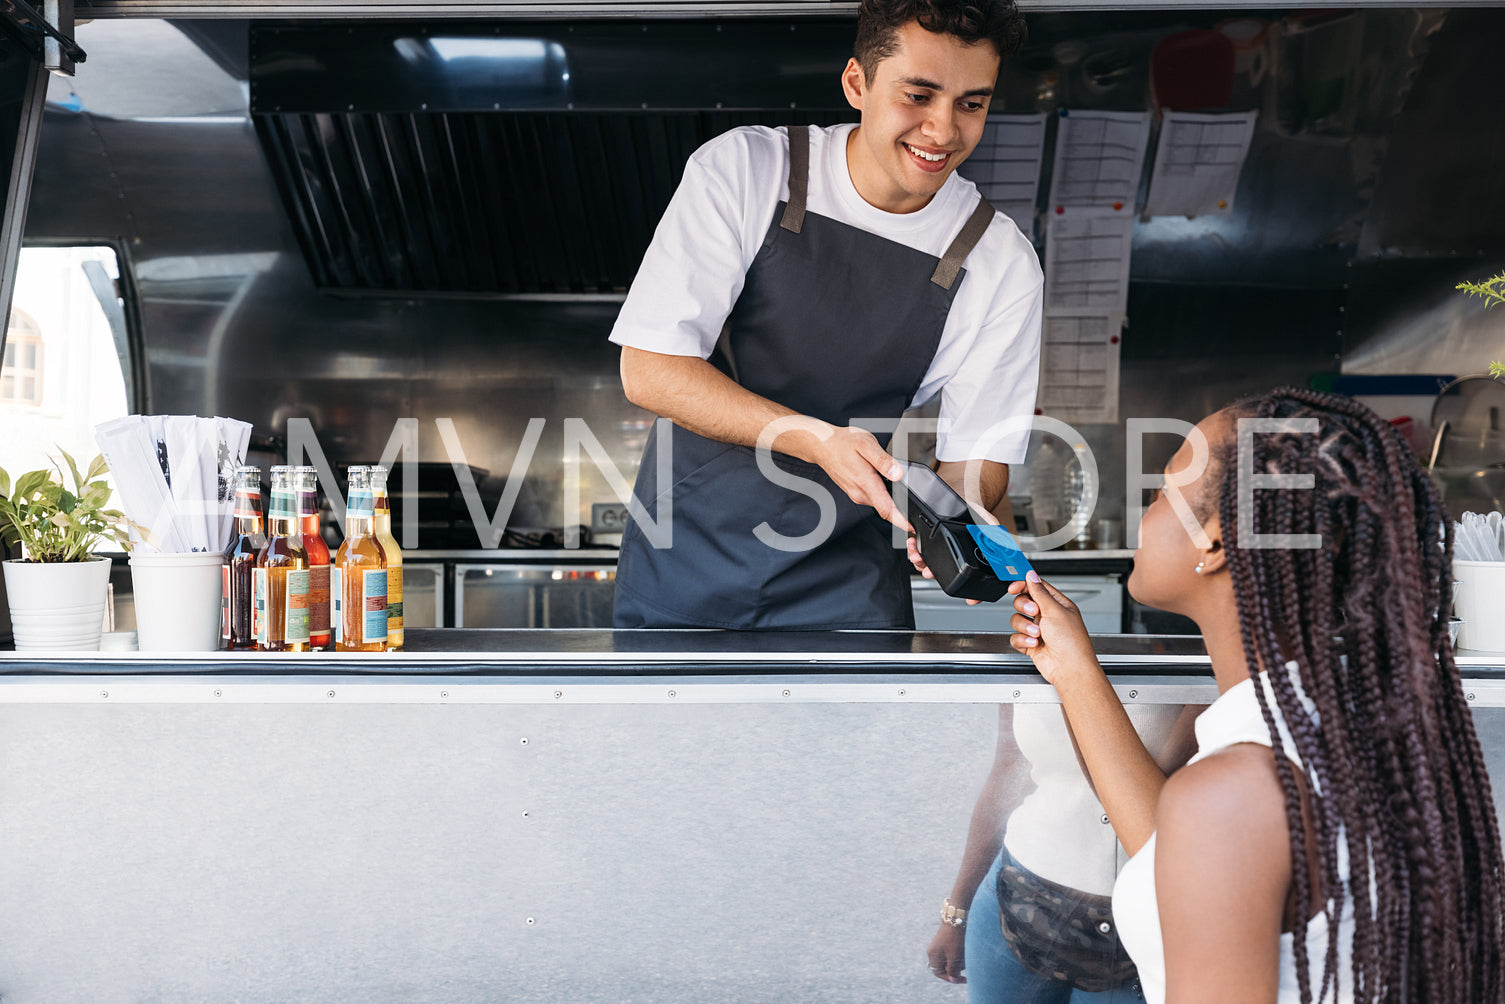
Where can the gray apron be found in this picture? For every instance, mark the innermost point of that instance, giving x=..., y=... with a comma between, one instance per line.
x=833, y=322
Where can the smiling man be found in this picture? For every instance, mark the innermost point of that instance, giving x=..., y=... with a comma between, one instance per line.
x=803, y=283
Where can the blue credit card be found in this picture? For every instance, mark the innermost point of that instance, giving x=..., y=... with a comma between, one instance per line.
x=1002, y=552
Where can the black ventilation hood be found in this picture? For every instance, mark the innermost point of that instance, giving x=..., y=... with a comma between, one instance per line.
x=532, y=159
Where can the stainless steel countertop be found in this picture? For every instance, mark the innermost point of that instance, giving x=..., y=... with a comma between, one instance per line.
x=603, y=651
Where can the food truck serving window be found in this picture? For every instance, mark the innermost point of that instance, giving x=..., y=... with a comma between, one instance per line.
x=65, y=361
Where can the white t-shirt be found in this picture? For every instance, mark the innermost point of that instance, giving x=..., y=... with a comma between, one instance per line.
x=987, y=366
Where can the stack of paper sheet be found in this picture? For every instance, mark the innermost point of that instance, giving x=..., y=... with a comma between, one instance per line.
x=176, y=477
x=1099, y=158
x=1006, y=166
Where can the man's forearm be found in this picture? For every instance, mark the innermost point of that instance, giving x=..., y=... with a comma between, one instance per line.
x=992, y=485
x=695, y=395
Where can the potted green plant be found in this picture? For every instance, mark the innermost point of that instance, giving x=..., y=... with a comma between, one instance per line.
x=1492, y=291
x=57, y=588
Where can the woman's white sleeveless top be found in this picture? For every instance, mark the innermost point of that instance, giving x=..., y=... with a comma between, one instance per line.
x=1233, y=718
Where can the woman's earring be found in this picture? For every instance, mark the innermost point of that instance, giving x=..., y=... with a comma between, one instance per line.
x=1199, y=567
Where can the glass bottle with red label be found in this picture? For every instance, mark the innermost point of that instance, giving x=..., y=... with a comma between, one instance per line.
x=320, y=636
x=359, y=575
x=393, y=554
x=237, y=632
x=282, y=576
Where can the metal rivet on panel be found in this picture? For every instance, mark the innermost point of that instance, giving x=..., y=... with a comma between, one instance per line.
x=217, y=694
x=443, y=693
x=1105, y=818
x=1133, y=694
x=1470, y=697
x=350, y=108
x=424, y=106
x=331, y=693
x=558, y=694
x=901, y=693
x=525, y=813
x=672, y=694
x=1016, y=693
x=786, y=693
x=524, y=740
x=530, y=921
x=1105, y=927
x=104, y=693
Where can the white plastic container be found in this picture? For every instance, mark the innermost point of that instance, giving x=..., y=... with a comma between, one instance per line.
x=177, y=601
x=1480, y=601
x=57, y=605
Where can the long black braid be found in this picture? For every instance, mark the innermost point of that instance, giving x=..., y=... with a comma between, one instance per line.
x=1373, y=703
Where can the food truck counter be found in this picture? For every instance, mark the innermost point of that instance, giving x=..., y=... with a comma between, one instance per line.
x=536, y=815
x=863, y=659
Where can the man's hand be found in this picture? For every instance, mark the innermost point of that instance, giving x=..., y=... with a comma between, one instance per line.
x=859, y=466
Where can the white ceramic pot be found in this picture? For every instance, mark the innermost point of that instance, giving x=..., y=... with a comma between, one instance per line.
x=57, y=605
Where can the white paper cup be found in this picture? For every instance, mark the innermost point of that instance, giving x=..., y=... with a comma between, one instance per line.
x=177, y=601
x=1480, y=602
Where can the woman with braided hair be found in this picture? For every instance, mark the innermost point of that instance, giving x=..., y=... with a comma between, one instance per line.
x=1334, y=838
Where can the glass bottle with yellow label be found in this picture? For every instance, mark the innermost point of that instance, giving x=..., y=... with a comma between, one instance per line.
x=393, y=553
x=358, y=580
x=281, y=576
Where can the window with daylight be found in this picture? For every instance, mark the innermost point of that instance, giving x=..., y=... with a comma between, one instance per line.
x=21, y=375
x=66, y=356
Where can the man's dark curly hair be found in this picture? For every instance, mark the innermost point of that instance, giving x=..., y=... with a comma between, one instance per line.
x=971, y=21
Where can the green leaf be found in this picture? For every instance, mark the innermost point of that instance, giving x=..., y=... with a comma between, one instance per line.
x=1496, y=370
x=28, y=483
x=51, y=494
x=78, y=479
x=4, y=483
x=96, y=495
x=62, y=519
x=97, y=467
x=67, y=501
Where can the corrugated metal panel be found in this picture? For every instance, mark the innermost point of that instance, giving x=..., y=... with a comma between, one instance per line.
x=481, y=204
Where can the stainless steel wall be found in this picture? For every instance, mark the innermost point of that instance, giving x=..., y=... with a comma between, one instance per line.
x=155, y=149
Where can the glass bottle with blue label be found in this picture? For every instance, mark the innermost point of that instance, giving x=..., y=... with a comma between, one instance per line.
x=358, y=581
x=393, y=555
x=281, y=594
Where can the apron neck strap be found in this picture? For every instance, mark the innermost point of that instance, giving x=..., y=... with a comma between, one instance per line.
x=799, y=178
x=951, y=263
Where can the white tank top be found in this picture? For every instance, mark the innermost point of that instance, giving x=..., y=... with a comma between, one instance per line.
x=1233, y=718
